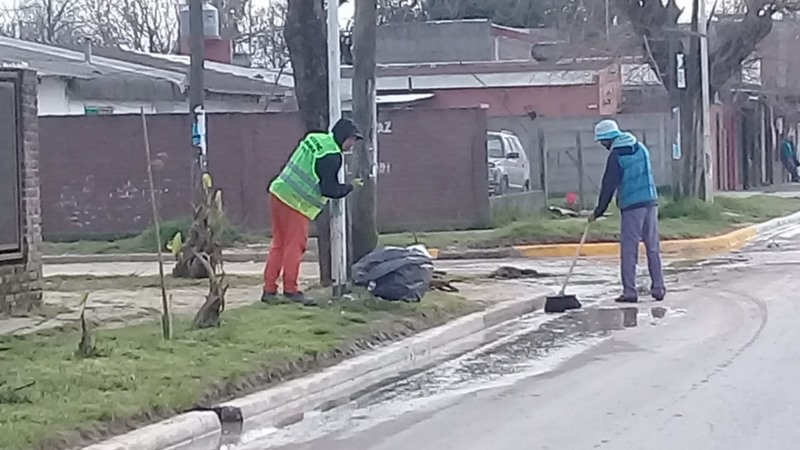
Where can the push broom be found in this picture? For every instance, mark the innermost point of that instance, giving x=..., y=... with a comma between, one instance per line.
x=562, y=302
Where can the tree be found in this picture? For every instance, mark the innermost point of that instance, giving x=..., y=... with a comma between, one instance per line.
x=364, y=217
x=561, y=14
x=261, y=36
x=398, y=11
x=142, y=25
x=656, y=23
x=47, y=21
x=148, y=25
x=232, y=14
x=306, y=40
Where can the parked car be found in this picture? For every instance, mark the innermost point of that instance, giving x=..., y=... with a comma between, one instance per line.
x=509, y=168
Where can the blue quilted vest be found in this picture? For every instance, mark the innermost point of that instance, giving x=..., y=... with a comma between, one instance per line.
x=638, y=185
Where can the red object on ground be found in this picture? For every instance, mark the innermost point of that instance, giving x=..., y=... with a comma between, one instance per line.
x=571, y=199
x=289, y=242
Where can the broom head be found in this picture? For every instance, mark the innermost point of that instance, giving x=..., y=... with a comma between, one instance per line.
x=561, y=303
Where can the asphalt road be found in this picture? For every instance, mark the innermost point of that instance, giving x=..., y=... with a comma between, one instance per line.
x=715, y=368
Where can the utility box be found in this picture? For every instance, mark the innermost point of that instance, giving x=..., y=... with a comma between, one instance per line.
x=210, y=21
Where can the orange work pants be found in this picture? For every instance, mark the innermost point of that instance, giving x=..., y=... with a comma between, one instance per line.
x=289, y=242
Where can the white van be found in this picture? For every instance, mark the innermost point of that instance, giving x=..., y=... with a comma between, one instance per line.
x=509, y=168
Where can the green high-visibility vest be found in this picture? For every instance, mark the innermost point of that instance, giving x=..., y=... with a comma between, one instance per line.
x=298, y=185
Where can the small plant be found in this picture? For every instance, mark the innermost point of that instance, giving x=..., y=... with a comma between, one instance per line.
x=209, y=315
x=13, y=395
x=86, y=347
x=204, y=238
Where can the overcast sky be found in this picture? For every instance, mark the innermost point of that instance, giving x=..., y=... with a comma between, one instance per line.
x=346, y=11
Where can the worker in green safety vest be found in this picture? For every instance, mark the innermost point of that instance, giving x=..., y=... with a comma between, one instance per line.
x=297, y=196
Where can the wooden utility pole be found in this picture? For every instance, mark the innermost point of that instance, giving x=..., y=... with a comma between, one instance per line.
x=581, y=174
x=198, y=54
x=306, y=40
x=197, y=91
x=365, y=227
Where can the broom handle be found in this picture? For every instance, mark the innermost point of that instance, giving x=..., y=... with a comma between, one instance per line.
x=575, y=260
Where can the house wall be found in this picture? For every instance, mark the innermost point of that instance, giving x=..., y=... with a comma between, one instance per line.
x=511, y=49
x=569, y=101
x=54, y=100
x=21, y=278
x=94, y=173
x=435, y=42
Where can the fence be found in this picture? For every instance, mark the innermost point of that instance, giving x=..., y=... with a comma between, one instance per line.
x=432, y=169
x=565, y=158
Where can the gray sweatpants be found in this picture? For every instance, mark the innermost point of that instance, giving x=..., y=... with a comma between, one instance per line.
x=640, y=225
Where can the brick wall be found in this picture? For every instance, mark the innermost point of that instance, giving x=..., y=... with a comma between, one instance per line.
x=95, y=185
x=21, y=279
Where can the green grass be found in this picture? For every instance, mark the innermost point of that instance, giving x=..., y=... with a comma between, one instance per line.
x=679, y=220
x=142, y=243
x=682, y=219
x=139, y=377
x=90, y=283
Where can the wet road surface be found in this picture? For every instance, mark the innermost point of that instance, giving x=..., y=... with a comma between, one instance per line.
x=713, y=367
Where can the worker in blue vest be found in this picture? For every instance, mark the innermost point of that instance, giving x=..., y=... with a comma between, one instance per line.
x=789, y=158
x=630, y=174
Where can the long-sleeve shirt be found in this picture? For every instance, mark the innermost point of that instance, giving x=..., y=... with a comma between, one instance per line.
x=612, y=177
x=327, y=169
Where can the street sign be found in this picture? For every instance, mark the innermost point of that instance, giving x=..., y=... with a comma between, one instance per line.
x=680, y=70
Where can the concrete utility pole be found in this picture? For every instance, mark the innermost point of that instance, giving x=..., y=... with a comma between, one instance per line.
x=338, y=207
x=707, y=160
x=365, y=228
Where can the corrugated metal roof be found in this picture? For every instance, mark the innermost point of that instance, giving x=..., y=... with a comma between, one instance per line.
x=227, y=81
x=639, y=75
x=507, y=66
x=108, y=64
x=51, y=60
x=389, y=99
x=284, y=78
x=483, y=80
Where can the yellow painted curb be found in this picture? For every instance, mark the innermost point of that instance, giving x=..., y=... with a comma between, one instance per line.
x=723, y=243
x=726, y=242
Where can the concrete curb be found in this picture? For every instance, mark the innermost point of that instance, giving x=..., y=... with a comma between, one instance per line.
x=773, y=224
x=199, y=430
x=291, y=400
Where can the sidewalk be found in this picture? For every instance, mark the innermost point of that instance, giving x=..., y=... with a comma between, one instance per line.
x=134, y=295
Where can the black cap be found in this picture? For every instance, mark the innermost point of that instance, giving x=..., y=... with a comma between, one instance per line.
x=344, y=129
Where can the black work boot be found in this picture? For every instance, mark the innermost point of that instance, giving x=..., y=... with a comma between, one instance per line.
x=623, y=299
x=299, y=297
x=270, y=297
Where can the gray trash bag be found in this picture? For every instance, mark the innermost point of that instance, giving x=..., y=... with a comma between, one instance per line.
x=395, y=274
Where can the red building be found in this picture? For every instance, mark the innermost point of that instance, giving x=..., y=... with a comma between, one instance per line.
x=505, y=88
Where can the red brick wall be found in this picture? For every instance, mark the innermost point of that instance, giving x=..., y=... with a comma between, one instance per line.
x=94, y=174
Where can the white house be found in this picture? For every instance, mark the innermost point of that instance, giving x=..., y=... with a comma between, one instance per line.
x=112, y=81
